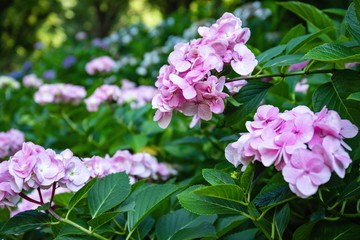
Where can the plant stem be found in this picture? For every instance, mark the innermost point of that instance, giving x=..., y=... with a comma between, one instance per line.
x=29, y=199
x=40, y=196
x=295, y=73
x=52, y=193
x=69, y=222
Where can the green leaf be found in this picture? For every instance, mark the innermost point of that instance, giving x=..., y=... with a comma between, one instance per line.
x=43, y=207
x=295, y=44
x=224, y=191
x=304, y=231
x=352, y=21
x=334, y=95
x=144, y=228
x=226, y=224
x=81, y=193
x=354, y=96
x=357, y=9
x=337, y=11
x=248, y=234
x=147, y=198
x=126, y=207
x=215, y=176
x=294, y=32
x=339, y=230
x=102, y=219
x=282, y=219
x=63, y=199
x=172, y=225
x=313, y=16
x=286, y=60
x=333, y=52
x=108, y=192
x=205, y=205
x=250, y=97
x=351, y=190
x=25, y=221
x=246, y=177
x=270, y=53
x=273, y=194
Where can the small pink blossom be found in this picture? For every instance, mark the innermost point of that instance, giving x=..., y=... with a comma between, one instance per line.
x=10, y=142
x=32, y=80
x=59, y=93
x=100, y=64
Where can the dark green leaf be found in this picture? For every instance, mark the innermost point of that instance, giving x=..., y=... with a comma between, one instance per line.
x=250, y=97
x=313, y=16
x=247, y=176
x=225, y=224
x=334, y=95
x=108, y=192
x=147, y=198
x=351, y=190
x=352, y=22
x=248, y=234
x=144, y=228
x=273, y=194
x=282, y=219
x=333, y=52
x=102, y=219
x=25, y=221
x=203, y=230
x=215, y=176
x=354, y=96
x=339, y=230
x=304, y=231
x=169, y=226
x=43, y=207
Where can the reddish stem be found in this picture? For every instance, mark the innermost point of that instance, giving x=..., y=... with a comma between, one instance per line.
x=29, y=199
x=40, y=195
x=52, y=193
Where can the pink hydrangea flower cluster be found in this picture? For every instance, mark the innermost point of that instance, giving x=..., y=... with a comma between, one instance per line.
x=305, y=146
x=137, y=166
x=59, y=93
x=36, y=167
x=188, y=84
x=32, y=80
x=100, y=64
x=128, y=93
x=136, y=96
x=10, y=142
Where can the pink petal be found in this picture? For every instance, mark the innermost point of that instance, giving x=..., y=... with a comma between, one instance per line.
x=305, y=185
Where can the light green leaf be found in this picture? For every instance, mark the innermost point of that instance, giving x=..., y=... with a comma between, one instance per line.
x=354, y=96
x=102, y=219
x=25, y=221
x=172, y=225
x=294, y=32
x=337, y=11
x=224, y=191
x=270, y=53
x=215, y=176
x=247, y=176
x=334, y=95
x=333, y=52
x=108, y=192
x=205, y=205
x=313, y=16
x=81, y=193
x=147, y=198
x=295, y=44
x=286, y=60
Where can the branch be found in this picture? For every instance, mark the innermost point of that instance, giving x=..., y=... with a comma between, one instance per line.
x=297, y=73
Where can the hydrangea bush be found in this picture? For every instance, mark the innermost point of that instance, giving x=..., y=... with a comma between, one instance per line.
x=228, y=142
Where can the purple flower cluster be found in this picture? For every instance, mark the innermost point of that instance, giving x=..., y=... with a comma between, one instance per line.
x=128, y=93
x=137, y=166
x=305, y=146
x=10, y=142
x=59, y=93
x=100, y=64
x=188, y=84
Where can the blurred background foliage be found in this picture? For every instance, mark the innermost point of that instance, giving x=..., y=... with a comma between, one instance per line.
x=27, y=26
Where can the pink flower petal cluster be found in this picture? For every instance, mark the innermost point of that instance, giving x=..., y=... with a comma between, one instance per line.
x=99, y=65
x=32, y=80
x=103, y=93
x=10, y=142
x=59, y=93
x=305, y=146
x=188, y=84
x=36, y=167
x=137, y=166
x=136, y=96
